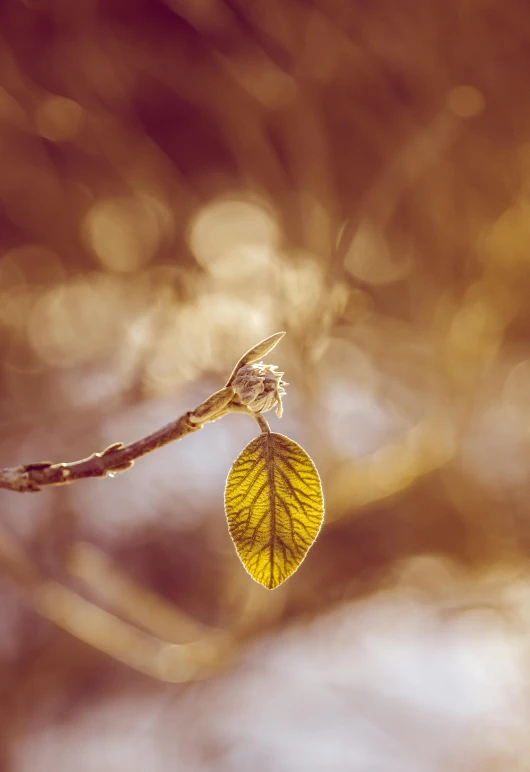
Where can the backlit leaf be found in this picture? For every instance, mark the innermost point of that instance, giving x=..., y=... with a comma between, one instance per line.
x=274, y=507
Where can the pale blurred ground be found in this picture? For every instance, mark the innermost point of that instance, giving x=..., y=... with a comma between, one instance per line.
x=178, y=180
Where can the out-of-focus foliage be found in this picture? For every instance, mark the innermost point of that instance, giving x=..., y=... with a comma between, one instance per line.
x=274, y=507
x=181, y=178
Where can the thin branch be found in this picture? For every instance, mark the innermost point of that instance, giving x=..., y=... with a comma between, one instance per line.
x=116, y=458
x=119, y=457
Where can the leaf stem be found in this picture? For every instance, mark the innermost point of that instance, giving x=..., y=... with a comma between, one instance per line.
x=263, y=423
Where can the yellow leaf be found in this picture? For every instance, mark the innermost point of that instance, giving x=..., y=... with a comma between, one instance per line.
x=274, y=507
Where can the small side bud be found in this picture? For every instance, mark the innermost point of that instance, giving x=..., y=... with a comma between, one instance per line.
x=213, y=407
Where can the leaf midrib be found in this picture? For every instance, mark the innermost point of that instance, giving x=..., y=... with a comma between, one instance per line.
x=269, y=455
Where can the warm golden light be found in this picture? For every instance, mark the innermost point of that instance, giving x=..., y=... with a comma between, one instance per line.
x=59, y=119
x=465, y=101
x=73, y=322
x=180, y=179
x=124, y=233
x=230, y=227
x=370, y=258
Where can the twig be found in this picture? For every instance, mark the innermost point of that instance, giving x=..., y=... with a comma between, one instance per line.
x=116, y=458
x=119, y=457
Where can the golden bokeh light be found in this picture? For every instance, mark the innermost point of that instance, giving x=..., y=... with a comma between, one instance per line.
x=370, y=259
x=465, y=101
x=505, y=243
x=59, y=119
x=474, y=338
x=124, y=233
x=299, y=282
x=184, y=347
x=73, y=322
x=231, y=227
x=516, y=391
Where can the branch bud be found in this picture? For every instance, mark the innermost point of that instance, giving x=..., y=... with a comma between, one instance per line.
x=259, y=387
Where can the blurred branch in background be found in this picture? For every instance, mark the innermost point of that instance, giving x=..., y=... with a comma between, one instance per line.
x=167, y=660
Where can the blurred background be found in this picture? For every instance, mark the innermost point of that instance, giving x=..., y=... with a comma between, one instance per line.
x=179, y=179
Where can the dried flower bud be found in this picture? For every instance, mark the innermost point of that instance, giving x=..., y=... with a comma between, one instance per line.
x=259, y=387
